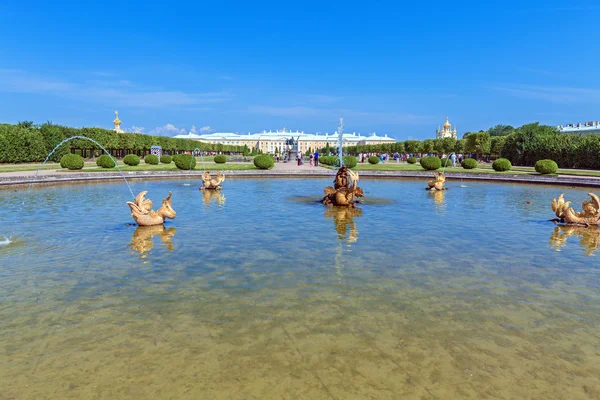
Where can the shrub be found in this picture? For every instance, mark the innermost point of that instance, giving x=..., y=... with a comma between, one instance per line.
x=469, y=163
x=329, y=160
x=350, y=161
x=166, y=159
x=445, y=162
x=411, y=160
x=502, y=164
x=431, y=163
x=105, y=161
x=71, y=161
x=546, y=167
x=220, y=159
x=131, y=159
x=373, y=160
x=151, y=159
x=184, y=161
x=264, y=161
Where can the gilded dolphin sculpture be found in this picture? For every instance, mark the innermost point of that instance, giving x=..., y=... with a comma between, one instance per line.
x=343, y=193
x=566, y=214
x=212, y=184
x=142, y=213
x=438, y=182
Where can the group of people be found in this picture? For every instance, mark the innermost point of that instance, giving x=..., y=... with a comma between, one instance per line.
x=313, y=158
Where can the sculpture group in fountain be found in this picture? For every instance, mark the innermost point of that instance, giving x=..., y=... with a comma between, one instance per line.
x=589, y=216
x=142, y=213
x=437, y=183
x=345, y=189
x=212, y=184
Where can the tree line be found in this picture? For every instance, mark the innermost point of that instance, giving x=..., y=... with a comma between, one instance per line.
x=26, y=142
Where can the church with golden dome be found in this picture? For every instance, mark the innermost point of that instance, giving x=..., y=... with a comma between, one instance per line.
x=117, y=123
x=446, y=131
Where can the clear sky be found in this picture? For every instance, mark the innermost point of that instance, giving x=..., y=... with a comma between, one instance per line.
x=396, y=68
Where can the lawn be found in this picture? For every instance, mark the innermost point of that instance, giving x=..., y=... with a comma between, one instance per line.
x=209, y=166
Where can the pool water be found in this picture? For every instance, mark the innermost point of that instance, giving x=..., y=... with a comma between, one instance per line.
x=259, y=292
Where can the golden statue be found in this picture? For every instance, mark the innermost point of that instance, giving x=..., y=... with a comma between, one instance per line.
x=589, y=237
x=142, y=212
x=343, y=217
x=209, y=195
x=142, y=238
x=438, y=182
x=589, y=216
x=212, y=184
x=343, y=193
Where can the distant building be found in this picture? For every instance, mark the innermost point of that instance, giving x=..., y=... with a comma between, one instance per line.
x=117, y=123
x=446, y=131
x=267, y=142
x=590, y=127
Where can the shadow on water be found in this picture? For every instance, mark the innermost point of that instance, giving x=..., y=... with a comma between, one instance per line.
x=142, y=239
x=589, y=237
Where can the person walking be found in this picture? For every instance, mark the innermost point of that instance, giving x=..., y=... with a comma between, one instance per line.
x=453, y=158
x=310, y=158
x=299, y=158
x=316, y=158
x=397, y=157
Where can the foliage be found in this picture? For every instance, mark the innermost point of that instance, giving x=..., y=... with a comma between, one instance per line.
x=246, y=151
x=105, y=161
x=469, y=163
x=71, y=161
x=546, y=167
x=264, y=161
x=151, y=159
x=502, y=164
x=411, y=160
x=431, y=163
x=412, y=146
x=460, y=145
x=166, y=159
x=478, y=143
x=497, y=144
x=427, y=146
x=445, y=162
x=350, y=161
x=220, y=159
x=501, y=130
x=374, y=160
x=184, y=161
x=131, y=160
x=20, y=145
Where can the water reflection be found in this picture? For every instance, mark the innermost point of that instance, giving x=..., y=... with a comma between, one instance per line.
x=589, y=237
x=142, y=238
x=208, y=196
x=343, y=218
x=439, y=197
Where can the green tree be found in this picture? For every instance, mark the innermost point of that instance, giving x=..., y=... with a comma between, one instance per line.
x=478, y=143
x=501, y=130
x=327, y=149
x=427, y=146
x=412, y=146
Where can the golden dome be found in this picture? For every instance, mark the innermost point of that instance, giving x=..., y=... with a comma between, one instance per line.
x=117, y=121
x=447, y=124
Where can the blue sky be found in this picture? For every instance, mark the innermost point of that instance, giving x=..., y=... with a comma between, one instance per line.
x=393, y=68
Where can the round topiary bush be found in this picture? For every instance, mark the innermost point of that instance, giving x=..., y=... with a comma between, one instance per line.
x=350, y=161
x=546, y=167
x=184, y=161
x=264, y=161
x=431, y=163
x=220, y=159
x=105, y=161
x=445, y=162
x=411, y=160
x=502, y=164
x=151, y=159
x=71, y=161
x=131, y=160
x=373, y=160
x=469, y=163
x=166, y=159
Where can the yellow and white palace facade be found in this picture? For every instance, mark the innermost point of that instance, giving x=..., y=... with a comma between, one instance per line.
x=268, y=141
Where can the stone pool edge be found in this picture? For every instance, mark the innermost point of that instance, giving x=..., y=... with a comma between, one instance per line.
x=74, y=177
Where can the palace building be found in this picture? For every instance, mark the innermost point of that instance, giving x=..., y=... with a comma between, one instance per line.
x=446, y=131
x=267, y=142
x=590, y=127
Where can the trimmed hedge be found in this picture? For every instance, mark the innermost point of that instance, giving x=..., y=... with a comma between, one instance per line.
x=350, y=161
x=184, y=161
x=411, y=160
x=166, y=159
x=431, y=163
x=469, y=163
x=546, y=167
x=264, y=161
x=445, y=162
x=374, y=160
x=502, y=164
x=105, y=161
x=334, y=161
x=131, y=160
x=220, y=159
x=71, y=161
x=151, y=159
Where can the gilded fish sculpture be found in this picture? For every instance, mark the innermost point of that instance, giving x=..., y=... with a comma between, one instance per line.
x=437, y=183
x=142, y=213
x=343, y=193
x=210, y=183
x=567, y=215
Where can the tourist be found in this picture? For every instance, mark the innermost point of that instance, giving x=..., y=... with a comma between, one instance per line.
x=316, y=158
x=453, y=158
x=299, y=158
x=397, y=157
x=310, y=160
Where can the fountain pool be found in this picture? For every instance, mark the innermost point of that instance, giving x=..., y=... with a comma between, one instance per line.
x=464, y=294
